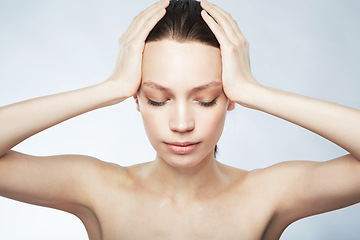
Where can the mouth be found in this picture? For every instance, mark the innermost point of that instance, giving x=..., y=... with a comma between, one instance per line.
x=182, y=147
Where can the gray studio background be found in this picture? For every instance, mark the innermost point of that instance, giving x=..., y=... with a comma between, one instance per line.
x=308, y=47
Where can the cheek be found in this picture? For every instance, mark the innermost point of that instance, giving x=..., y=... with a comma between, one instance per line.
x=212, y=123
x=217, y=122
x=153, y=122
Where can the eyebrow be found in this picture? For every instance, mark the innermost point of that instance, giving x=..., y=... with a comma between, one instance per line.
x=196, y=89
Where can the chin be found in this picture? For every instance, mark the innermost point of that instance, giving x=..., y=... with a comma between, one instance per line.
x=184, y=160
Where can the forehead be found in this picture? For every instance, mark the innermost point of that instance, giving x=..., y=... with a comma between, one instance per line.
x=173, y=64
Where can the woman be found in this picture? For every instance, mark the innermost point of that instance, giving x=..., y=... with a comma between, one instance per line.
x=183, y=88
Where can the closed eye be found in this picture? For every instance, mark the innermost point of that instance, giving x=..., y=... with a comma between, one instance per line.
x=204, y=104
x=155, y=103
x=208, y=104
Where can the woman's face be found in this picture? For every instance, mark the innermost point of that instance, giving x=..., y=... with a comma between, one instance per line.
x=181, y=100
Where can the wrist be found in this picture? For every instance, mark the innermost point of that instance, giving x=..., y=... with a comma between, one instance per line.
x=249, y=94
x=109, y=93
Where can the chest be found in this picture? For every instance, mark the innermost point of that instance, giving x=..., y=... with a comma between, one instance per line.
x=148, y=216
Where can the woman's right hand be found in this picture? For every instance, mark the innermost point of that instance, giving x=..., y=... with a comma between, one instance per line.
x=127, y=73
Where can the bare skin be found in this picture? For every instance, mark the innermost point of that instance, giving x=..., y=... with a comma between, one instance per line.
x=181, y=196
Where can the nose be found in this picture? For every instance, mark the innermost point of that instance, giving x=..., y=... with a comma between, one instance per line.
x=181, y=119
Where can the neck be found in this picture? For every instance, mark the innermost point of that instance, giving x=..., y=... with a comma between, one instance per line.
x=187, y=183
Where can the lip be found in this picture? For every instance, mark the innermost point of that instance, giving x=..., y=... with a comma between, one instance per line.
x=182, y=147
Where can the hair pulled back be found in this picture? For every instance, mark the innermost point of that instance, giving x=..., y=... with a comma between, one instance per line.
x=183, y=23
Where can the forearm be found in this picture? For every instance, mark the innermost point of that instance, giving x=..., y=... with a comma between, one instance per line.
x=337, y=123
x=21, y=120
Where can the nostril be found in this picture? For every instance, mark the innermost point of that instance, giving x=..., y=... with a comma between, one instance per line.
x=178, y=127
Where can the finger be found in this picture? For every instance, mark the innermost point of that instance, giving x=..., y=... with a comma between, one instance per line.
x=216, y=29
x=233, y=23
x=226, y=14
x=143, y=17
x=150, y=24
x=147, y=13
x=224, y=19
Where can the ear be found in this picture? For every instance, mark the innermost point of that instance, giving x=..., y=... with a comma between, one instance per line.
x=231, y=106
x=137, y=102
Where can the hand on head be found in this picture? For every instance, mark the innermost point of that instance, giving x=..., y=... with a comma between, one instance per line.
x=127, y=72
x=236, y=75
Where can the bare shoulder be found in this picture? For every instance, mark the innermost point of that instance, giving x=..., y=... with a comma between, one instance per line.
x=280, y=173
x=263, y=190
x=52, y=181
x=299, y=189
x=277, y=181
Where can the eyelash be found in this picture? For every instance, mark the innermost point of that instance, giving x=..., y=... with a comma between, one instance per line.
x=156, y=104
x=204, y=104
x=208, y=104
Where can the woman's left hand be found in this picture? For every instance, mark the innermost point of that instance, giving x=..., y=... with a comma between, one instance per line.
x=236, y=72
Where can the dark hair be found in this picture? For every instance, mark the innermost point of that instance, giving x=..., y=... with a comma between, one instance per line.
x=183, y=23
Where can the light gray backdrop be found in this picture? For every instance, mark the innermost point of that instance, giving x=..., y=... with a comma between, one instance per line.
x=308, y=47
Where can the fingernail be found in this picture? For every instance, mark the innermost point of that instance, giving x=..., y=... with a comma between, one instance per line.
x=205, y=12
x=162, y=11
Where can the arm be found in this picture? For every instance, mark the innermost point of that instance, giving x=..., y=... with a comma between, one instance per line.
x=21, y=120
x=307, y=188
x=302, y=188
x=60, y=180
x=57, y=181
x=337, y=123
x=44, y=180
